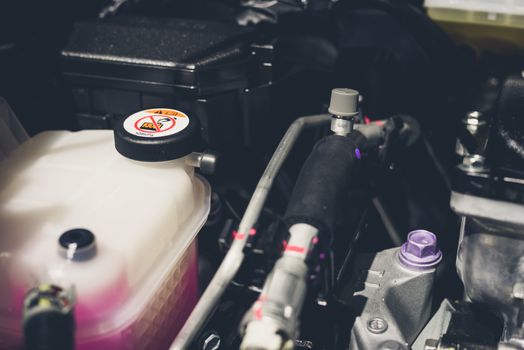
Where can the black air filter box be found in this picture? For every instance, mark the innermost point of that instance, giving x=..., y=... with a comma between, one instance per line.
x=124, y=64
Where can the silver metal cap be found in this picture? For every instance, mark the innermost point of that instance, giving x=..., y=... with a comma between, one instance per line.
x=344, y=102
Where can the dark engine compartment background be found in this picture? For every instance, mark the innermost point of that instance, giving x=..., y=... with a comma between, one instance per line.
x=246, y=85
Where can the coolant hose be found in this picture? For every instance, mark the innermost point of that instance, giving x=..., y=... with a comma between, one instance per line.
x=273, y=320
x=323, y=181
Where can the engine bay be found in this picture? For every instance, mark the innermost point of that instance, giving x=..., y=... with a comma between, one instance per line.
x=262, y=175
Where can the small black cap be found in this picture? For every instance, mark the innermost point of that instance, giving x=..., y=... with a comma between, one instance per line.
x=157, y=134
x=81, y=240
x=81, y=237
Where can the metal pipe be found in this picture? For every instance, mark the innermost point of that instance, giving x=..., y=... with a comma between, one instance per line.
x=235, y=255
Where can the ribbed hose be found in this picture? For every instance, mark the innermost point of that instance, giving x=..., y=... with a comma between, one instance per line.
x=323, y=181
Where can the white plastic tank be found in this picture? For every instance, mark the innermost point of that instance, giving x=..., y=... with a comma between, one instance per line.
x=139, y=285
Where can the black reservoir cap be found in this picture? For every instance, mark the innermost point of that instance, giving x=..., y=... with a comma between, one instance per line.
x=157, y=134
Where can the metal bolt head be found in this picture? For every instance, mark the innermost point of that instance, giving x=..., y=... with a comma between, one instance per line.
x=421, y=243
x=211, y=342
x=377, y=325
x=420, y=251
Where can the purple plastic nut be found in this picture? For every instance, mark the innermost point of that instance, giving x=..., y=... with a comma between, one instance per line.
x=420, y=252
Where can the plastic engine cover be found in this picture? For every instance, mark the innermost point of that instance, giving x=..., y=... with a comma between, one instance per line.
x=141, y=283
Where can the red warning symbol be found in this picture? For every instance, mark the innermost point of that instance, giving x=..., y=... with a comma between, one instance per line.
x=155, y=123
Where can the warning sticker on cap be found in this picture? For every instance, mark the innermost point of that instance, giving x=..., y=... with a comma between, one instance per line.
x=157, y=122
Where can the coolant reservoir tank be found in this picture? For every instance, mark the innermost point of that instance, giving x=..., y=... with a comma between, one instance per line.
x=76, y=213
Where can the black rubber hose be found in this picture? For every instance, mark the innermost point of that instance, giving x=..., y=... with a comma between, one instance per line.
x=323, y=181
x=49, y=330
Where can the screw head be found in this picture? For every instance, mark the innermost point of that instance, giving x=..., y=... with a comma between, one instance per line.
x=421, y=244
x=377, y=325
x=420, y=251
x=211, y=341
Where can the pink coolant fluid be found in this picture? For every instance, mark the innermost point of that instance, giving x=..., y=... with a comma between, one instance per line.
x=153, y=327
x=156, y=326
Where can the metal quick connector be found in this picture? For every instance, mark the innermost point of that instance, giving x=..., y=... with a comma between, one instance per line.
x=273, y=320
